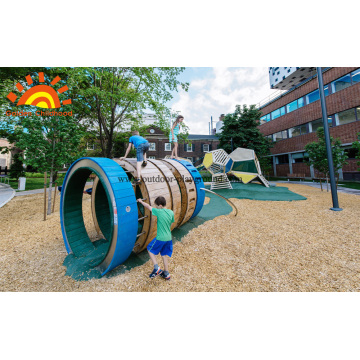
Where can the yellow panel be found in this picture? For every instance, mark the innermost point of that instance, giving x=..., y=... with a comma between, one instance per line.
x=208, y=160
x=245, y=178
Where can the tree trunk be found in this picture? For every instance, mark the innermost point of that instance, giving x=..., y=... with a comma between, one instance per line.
x=51, y=179
x=109, y=145
x=50, y=190
x=327, y=184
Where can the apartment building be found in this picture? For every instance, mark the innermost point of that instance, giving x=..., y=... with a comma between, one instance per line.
x=292, y=118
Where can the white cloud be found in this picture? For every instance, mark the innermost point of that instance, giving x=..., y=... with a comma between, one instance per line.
x=219, y=93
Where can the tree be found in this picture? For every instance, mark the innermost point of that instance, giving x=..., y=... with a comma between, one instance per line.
x=242, y=127
x=16, y=168
x=48, y=143
x=356, y=146
x=165, y=125
x=318, y=155
x=110, y=97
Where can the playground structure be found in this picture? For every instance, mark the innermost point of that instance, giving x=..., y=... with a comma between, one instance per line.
x=124, y=223
x=242, y=163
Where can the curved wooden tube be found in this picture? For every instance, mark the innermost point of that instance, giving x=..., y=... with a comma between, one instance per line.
x=167, y=178
x=93, y=212
x=187, y=189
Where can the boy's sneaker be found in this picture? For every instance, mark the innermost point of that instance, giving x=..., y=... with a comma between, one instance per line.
x=166, y=277
x=144, y=163
x=155, y=273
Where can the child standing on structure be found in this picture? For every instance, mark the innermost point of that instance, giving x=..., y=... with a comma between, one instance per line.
x=142, y=146
x=162, y=243
x=173, y=135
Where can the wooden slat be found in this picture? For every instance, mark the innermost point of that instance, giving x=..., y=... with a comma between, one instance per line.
x=186, y=184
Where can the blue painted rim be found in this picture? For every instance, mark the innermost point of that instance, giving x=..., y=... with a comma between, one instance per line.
x=125, y=212
x=199, y=183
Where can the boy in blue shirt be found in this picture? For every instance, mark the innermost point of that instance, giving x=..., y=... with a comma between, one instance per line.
x=162, y=243
x=142, y=146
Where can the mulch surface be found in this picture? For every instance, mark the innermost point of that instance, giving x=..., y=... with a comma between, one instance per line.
x=270, y=246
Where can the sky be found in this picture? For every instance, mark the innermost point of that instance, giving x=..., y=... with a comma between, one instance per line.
x=217, y=90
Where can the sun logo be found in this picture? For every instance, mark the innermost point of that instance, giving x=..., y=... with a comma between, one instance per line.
x=43, y=96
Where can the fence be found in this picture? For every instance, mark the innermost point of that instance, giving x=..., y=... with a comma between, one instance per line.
x=4, y=170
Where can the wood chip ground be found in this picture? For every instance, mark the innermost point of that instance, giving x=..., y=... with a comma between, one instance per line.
x=270, y=246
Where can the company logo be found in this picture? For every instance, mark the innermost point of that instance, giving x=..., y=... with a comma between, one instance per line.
x=42, y=96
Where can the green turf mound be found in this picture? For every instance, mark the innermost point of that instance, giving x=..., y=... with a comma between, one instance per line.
x=259, y=192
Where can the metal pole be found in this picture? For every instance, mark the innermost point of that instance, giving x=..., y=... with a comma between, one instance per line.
x=327, y=141
x=209, y=129
x=211, y=126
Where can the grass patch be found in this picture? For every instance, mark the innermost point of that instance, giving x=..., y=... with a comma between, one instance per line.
x=33, y=183
x=351, y=185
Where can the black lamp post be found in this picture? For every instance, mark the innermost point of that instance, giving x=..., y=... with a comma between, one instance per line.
x=327, y=141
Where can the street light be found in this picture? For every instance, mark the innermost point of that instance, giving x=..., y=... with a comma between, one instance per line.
x=327, y=141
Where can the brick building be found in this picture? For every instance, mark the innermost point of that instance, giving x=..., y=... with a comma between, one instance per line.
x=292, y=118
x=5, y=159
x=160, y=145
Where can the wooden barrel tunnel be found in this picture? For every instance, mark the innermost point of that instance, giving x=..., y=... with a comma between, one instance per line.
x=124, y=223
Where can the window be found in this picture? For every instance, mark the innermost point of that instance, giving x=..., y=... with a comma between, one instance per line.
x=151, y=157
x=300, y=102
x=189, y=148
x=326, y=90
x=292, y=106
x=90, y=146
x=303, y=129
x=298, y=130
x=152, y=147
x=319, y=123
x=265, y=119
x=167, y=146
x=284, y=134
x=277, y=136
x=152, y=131
x=341, y=83
x=190, y=158
x=355, y=75
x=282, y=159
x=345, y=117
x=351, y=153
x=282, y=111
x=295, y=131
x=275, y=114
x=358, y=113
x=206, y=147
x=313, y=96
x=297, y=158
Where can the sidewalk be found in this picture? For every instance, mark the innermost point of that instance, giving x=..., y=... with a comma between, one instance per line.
x=40, y=191
x=317, y=185
x=6, y=194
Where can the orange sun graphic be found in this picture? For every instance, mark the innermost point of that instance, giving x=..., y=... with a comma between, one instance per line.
x=43, y=96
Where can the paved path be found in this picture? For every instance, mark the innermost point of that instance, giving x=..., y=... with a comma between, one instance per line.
x=317, y=185
x=39, y=191
x=6, y=194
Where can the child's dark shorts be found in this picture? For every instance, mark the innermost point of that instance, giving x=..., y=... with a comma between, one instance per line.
x=162, y=247
x=141, y=150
